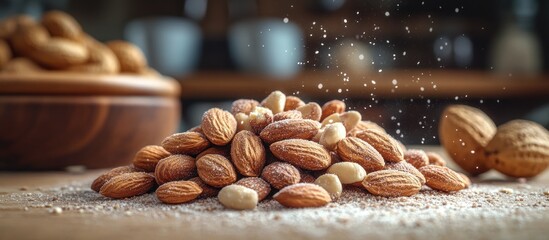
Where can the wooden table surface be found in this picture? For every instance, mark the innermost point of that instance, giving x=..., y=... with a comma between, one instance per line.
x=18, y=221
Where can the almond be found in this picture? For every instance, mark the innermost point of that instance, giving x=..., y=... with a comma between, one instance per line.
x=238, y=197
x=391, y=183
x=148, y=157
x=130, y=57
x=466, y=180
x=331, y=107
x=302, y=153
x=128, y=185
x=352, y=149
x=190, y=143
x=178, y=192
x=219, y=126
x=275, y=102
x=290, y=128
x=257, y=184
x=175, y=167
x=520, y=148
x=383, y=143
x=280, y=174
x=405, y=167
x=330, y=183
x=207, y=190
x=105, y=177
x=363, y=125
x=334, y=118
x=292, y=114
x=418, y=158
x=332, y=134
x=464, y=132
x=306, y=177
x=311, y=111
x=245, y=106
x=436, y=159
x=248, y=153
x=260, y=118
x=242, y=122
x=303, y=195
x=442, y=178
x=292, y=103
x=350, y=119
x=347, y=172
x=216, y=170
x=225, y=151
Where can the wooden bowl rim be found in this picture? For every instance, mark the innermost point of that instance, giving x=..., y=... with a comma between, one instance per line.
x=56, y=83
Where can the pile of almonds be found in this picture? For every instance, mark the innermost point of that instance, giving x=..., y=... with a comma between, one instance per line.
x=519, y=148
x=304, y=152
x=58, y=43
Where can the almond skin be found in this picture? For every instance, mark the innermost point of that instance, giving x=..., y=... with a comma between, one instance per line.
x=405, y=167
x=290, y=128
x=383, y=143
x=175, y=167
x=391, y=183
x=363, y=125
x=105, y=177
x=520, y=148
x=280, y=174
x=305, y=154
x=292, y=114
x=464, y=132
x=216, y=170
x=292, y=103
x=257, y=184
x=418, y=158
x=331, y=107
x=436, y=159
x=190, y=143
x=221, y=150
x=219, y=126
x=260, y=118
x=148, y=157
x=442, y=178
x=244, y=106
x=178, y=192
x=352, y=149
x=248, y=153
x=207, y=190
x=128, y=185
x=303, y=195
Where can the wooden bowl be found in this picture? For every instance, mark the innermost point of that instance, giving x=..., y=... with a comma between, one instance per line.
x=50, y=121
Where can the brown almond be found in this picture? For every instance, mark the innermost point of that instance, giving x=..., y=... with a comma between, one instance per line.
x=520, y=148
x=175, y=167
x=280, y=174
x=303, y=195
x=352, y=149
x=391, y=183
x=290, y=129
x=245, y=106
x=305, y=154
x=207, y=190
x=248, y=153
x=383, y=143
x=178, y=192
x=436, y=159
x=260, y=118
x=331, y=107
x=148, y=157
x=216, y=170
x=221, y=150
x=190, y=143
x=292, y=114
x=405, y=167
x=418, y=158
x=464, y=132
x=466, y=180
x=105, y=177
x=363, y=125
x=292, y=103
x=442, y=178
x=219, y=126
x=128, y=185
x=306, y=178
x=257, y=184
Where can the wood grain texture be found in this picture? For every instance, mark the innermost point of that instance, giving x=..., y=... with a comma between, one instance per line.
x=52, y=132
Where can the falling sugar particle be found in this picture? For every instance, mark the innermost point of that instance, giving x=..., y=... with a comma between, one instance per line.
x=285, y=20
x=457, y=10
x=344, y=20
x=380, y=70
x=387, y=14
x=320, y=86
x=404, y=53
x=339, y=90
x=394, y=82
x=430, y=29
x=361, y=56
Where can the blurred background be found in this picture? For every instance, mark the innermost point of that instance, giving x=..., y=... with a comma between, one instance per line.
x=397, y=62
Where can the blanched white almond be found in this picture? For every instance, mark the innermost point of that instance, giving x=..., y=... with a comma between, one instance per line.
x=348, y=172
x=350, y=119
x=238, y=197
x=332, y=134
x=259, y=118
x=242, y=122
x=334, y=118
x=275, y=102
x=330, y=183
